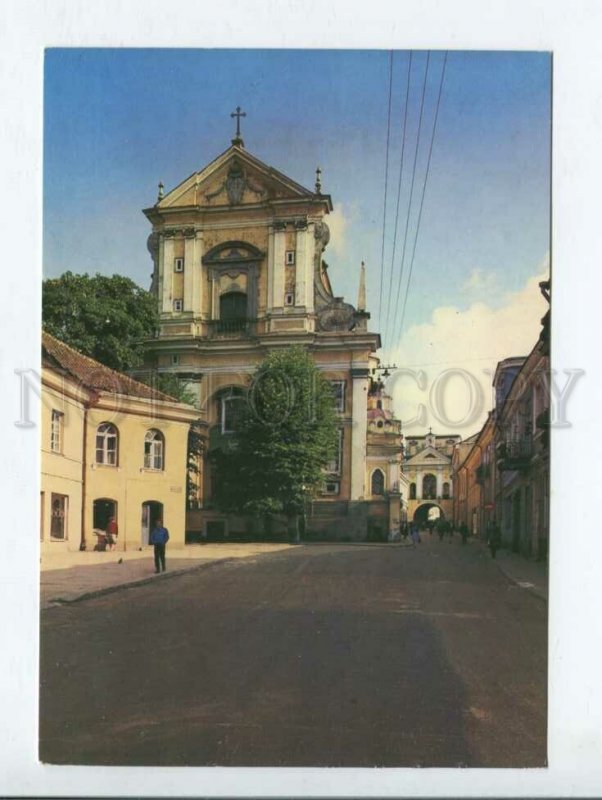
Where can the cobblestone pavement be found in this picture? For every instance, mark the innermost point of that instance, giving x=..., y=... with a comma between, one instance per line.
x=332, y=655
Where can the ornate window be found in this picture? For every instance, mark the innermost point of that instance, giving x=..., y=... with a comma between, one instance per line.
x=412, y=491
x=429, y=487
x=378, y=482
x=107, y=444
x=154, y=448
x=446, y=494
x=233, y=306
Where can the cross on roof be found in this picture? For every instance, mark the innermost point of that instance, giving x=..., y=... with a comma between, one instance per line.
x=238, y=114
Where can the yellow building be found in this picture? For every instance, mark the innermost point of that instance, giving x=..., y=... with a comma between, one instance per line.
x=111, y=447
x=238, y=270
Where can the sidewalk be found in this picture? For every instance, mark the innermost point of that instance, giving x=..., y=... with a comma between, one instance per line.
x=526, y=573
x=69, y=576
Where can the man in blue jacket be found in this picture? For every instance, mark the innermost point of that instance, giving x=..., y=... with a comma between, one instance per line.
x=159, y=538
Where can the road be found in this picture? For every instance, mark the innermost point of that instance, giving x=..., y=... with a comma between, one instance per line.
x=322, y=655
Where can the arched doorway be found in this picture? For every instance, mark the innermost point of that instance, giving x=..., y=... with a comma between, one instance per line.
x=428, y=512
x=152, y=510
x=102, y=510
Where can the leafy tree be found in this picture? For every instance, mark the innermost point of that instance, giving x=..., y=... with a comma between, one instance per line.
x=286, y=435
x=106, y=318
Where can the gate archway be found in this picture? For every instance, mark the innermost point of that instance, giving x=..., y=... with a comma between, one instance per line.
x=428, y=512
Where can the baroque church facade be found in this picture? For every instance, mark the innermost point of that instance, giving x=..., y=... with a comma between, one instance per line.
x=428, y=472
x=238, y=271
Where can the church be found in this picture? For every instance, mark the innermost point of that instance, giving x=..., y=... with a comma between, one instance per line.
x=238, y=270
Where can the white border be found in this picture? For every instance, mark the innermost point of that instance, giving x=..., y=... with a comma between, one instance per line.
x=572, y=32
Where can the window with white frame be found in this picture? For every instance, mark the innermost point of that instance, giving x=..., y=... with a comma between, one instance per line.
x=107, y=439
x=289, y=257
x=178, y=265
x=335, y=464
x=338, y=391
x=231, y=408
x=289, y=299
x=56, y=431
x=175, y=360
x=154, y=446
x=177, y=305
x=331, y=487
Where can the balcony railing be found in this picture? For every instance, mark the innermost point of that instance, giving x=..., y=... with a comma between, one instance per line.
x=514, y=454
x=230, y=327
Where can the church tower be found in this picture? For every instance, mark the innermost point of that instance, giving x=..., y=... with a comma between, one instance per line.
x=238, y=270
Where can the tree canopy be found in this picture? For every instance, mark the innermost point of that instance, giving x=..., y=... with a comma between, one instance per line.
x=106, y=318
x=286, y=434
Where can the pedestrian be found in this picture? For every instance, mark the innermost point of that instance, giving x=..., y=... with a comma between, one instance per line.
x=159, y=538
x=404, y=531
x=464, y=532
x=440, y=529
x=495, y=538
x=449, y=529
x=112, y=533
x=415, y=533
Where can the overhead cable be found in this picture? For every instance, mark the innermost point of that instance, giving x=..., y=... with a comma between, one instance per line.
x=407, y=224
x=428, y=165
x=382, y=256
x=403, y=144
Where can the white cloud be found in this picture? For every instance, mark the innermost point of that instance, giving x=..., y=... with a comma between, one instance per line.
x=470, y=343
x=481, y=281
x=337, y=222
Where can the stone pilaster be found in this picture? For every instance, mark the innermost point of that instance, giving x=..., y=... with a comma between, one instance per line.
x=168, y=257
x=189, y=269
x=198, y=284
x=278, y=267
x=359, y=425
x=304, y=294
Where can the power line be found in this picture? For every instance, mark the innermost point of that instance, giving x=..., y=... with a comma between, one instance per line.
x=405, y=237
x=428, y=165
x=382, y=255
x=403, y=145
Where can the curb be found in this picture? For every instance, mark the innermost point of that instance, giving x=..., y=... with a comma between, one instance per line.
x=63, y=601
x=532, y=589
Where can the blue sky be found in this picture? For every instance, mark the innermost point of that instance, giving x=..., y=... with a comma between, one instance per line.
x=118, y=121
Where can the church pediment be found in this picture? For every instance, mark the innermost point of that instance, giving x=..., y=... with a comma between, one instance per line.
x=234, y=178
x=428, y=457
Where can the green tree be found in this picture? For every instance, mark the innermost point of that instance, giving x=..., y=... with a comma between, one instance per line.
x=106, y=318
x=286, y=435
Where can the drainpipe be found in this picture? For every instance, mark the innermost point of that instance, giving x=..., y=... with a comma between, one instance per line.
x=94, y=396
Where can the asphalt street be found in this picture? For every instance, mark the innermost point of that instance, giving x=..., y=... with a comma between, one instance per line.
x=321, y=655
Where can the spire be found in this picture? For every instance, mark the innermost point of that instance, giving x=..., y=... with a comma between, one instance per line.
x=361, y=297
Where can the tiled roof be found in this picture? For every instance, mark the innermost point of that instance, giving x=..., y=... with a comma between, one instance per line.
x=92, y=374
